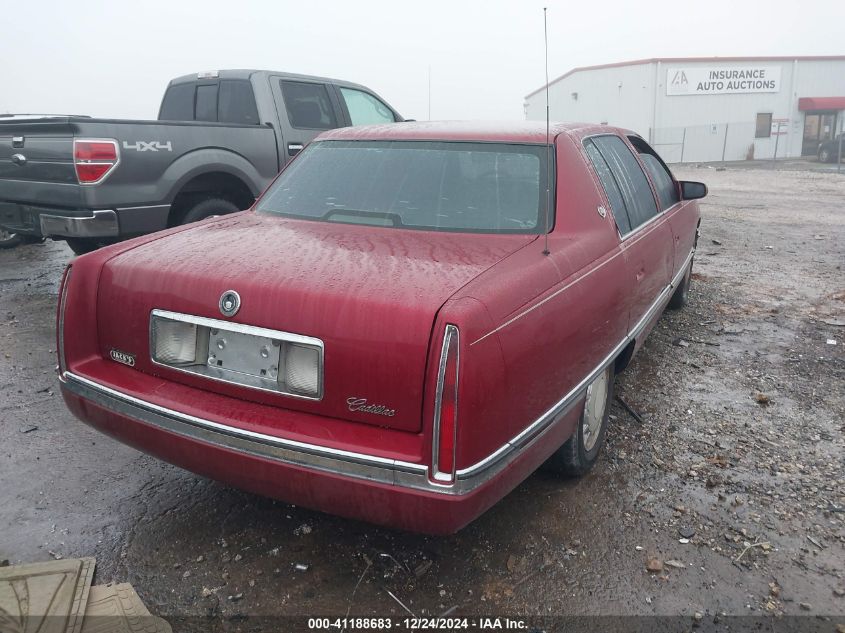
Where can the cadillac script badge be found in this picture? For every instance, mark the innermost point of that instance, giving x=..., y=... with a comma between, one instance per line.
x=361, y=404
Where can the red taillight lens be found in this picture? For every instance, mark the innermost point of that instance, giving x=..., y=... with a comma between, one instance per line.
x=446, y=408
x=91, y=172
x=94, y=159
x=95, y=150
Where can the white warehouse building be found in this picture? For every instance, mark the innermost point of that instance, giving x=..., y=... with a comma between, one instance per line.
x=707, y=109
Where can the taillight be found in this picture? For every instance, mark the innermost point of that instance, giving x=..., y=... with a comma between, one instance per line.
x=60, y=321
x=446, y=408
x=94, y=159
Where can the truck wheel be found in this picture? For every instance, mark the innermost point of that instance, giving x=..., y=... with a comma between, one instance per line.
x=208, y=207
x=581, y=451
x=824, y=156
x=681, y=296
x=9, y=239
x=82, y=245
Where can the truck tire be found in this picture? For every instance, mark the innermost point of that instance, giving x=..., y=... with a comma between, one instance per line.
x=208, y=207
x=824, y=156
x=9, y=239
x=82, y=245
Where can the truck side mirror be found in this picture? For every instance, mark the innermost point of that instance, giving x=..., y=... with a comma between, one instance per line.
x=692, y=190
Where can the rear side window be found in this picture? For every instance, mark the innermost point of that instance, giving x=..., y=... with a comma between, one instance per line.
x=611, y=188
x=206, y=103
x=667, y=191
x=308, y=105
x=236, y=103
x=178, y=103
x=632, y=181
x=364, y=108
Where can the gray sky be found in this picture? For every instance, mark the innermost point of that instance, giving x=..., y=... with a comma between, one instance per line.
x=114, y=58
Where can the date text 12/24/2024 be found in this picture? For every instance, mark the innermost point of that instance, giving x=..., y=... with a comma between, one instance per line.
x=418, y=623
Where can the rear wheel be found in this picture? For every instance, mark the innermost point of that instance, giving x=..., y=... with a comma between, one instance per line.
x=681, y=296
x=581, y=451
x=9, y=239
x=206, y=208
x=824, y=155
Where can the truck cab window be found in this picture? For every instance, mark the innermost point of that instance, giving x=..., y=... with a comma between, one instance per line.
x=236, y=103
x=178, y=103
x=364, y=108
x=206, y=103
x=308, y=105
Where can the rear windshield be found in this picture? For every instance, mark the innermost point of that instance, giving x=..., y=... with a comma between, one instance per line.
x=444, y=186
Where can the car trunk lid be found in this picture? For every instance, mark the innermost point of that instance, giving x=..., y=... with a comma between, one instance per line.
x=369, y=294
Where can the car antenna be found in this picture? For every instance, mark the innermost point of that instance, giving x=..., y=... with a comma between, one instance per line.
x=548, y=147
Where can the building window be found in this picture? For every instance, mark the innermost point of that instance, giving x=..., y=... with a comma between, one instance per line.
x=764, y=125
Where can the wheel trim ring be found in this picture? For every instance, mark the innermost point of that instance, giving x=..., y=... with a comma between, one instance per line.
x=6, y=235
x=595, y=404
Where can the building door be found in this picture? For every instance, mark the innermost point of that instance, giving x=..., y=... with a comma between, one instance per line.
x=818, y=127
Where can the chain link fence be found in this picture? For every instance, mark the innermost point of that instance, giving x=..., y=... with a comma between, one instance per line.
x=719, y=142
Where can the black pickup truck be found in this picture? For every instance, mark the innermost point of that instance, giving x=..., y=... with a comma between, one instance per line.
x=219, y=139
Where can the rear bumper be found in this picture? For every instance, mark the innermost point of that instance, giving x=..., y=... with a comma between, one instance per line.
x=52, y=222
x=98, y=224
x=374, y=489
x=55, y=222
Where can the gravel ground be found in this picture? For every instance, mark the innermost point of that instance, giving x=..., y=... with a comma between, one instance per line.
x=727, y=497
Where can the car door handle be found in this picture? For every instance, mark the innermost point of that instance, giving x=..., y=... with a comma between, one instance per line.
x=294, y=148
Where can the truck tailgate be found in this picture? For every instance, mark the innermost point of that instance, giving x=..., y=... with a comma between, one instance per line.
x=34, y=154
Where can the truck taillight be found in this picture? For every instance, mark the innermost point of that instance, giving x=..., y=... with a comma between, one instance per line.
x=94, y=159
x=60, y=321
x=446, y=409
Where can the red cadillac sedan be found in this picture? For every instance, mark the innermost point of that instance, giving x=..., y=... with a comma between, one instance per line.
x=407, y=323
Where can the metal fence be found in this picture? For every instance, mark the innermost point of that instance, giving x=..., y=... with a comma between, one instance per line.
x=719, y=142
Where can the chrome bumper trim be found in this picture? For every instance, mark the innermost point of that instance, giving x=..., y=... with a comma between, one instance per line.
x=99, y=224
x=348, y=463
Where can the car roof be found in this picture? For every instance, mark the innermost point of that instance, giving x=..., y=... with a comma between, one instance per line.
x=533, y=132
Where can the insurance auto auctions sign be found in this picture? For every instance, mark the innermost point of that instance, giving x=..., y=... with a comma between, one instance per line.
x=720, y=80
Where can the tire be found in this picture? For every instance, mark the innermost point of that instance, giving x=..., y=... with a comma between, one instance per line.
x=206, y=208
x=581, y=451
x=82, y=245
x=9, y=239
x=824, y=155
x=681, y=296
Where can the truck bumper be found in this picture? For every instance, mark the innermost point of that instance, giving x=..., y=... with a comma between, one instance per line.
x=51, y=222
x=98, y=224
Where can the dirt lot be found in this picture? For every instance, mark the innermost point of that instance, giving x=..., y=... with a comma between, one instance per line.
x=733, y=481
